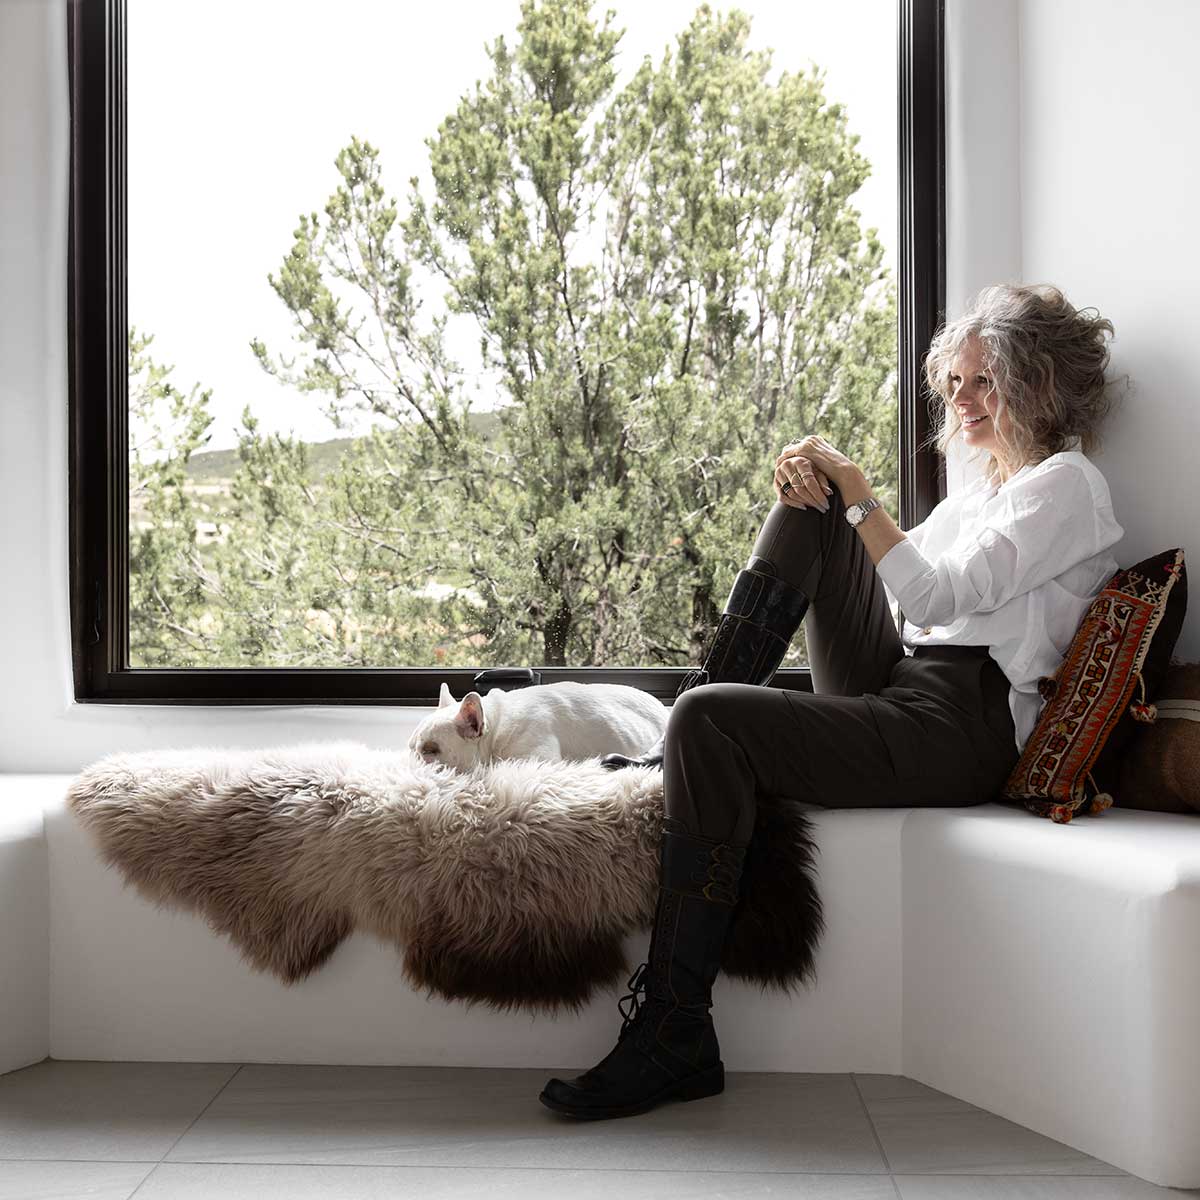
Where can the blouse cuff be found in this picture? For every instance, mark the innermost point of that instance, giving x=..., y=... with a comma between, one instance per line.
x=900, y=568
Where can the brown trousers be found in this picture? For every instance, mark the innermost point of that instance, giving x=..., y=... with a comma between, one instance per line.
x=880, y=730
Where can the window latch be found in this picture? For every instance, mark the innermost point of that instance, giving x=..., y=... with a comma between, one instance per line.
x=506, y=678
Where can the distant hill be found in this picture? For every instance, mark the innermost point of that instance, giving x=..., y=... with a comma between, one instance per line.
x=211, y=466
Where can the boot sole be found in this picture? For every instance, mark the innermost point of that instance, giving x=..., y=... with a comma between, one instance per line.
x=694, y=1087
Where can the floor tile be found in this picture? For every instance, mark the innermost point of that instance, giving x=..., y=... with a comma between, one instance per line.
x=900, y=1087
x=336, y=1133
x=421, y=1116
x=186, y=1181
x=71, y=1180
x=1025, y=1187
x=924, y=1131
x=103, y=1110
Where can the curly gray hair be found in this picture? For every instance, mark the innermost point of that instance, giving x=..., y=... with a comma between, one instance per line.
x=1047, y=362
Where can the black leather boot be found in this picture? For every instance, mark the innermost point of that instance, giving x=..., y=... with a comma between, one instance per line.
x=761, y=616
x=667, y=1048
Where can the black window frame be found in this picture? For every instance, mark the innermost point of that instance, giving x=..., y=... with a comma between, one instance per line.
x=98, y=386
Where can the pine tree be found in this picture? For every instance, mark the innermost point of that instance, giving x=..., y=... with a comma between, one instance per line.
x=667, y=282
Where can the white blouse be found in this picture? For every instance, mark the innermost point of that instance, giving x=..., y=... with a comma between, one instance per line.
x=1013, y=567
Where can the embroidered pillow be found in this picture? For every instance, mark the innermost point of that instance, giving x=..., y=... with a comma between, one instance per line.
x=1123, y=646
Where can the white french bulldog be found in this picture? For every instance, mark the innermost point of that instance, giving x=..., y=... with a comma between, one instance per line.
x=555, y=721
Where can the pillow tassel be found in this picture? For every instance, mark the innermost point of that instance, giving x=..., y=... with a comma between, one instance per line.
x=1139, y=709
x=1101, y=800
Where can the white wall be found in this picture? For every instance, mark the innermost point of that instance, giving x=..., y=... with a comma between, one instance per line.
x=1071, y=159
x=983, y=152
x=1110, y=171
x=983, y=163
x=1070, y=138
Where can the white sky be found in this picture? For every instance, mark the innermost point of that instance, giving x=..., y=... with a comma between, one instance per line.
x=237, y=109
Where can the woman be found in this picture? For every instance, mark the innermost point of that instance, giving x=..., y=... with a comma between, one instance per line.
x=993, y=586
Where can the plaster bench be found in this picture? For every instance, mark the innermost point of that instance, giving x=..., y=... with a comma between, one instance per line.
x=1046, y=973
x=24, y=918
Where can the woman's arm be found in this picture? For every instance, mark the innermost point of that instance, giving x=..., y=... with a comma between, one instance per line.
x=877, y=530
x=1045, y=524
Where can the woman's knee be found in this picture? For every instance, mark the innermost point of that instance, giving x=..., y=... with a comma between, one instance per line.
x=702, y=706
x=790, y=541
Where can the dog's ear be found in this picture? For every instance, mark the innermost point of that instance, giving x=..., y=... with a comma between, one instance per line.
x=469, y=721
x=444, y=697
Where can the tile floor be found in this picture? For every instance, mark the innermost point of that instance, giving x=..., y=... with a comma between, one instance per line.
x=110, y=1131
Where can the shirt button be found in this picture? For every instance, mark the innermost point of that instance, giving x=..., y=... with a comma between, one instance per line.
x=927, y=629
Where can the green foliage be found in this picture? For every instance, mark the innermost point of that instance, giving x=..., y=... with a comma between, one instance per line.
x=667, y=282
x=166, y=589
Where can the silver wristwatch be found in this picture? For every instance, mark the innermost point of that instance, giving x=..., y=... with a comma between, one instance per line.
x=856, y=513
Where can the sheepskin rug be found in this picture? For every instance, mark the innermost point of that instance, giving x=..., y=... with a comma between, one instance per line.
x=513, y=885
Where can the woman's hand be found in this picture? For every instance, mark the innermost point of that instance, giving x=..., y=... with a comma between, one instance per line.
x=809, y=465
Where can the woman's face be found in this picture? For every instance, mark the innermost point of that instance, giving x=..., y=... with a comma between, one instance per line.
x=976, y=400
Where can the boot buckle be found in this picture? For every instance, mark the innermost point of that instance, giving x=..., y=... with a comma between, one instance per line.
x=727, y=897
x=722, y=874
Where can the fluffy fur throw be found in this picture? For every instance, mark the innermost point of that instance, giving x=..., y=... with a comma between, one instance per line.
x=514, y=885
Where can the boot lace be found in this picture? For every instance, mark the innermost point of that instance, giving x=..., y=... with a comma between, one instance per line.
x=636, y=995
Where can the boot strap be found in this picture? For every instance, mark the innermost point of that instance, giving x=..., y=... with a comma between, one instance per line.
x=752, y=636
x=771, y=603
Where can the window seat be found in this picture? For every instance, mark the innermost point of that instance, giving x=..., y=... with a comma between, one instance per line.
x=1046, y=973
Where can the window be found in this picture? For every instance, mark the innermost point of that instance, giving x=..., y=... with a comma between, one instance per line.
x=532, y=397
